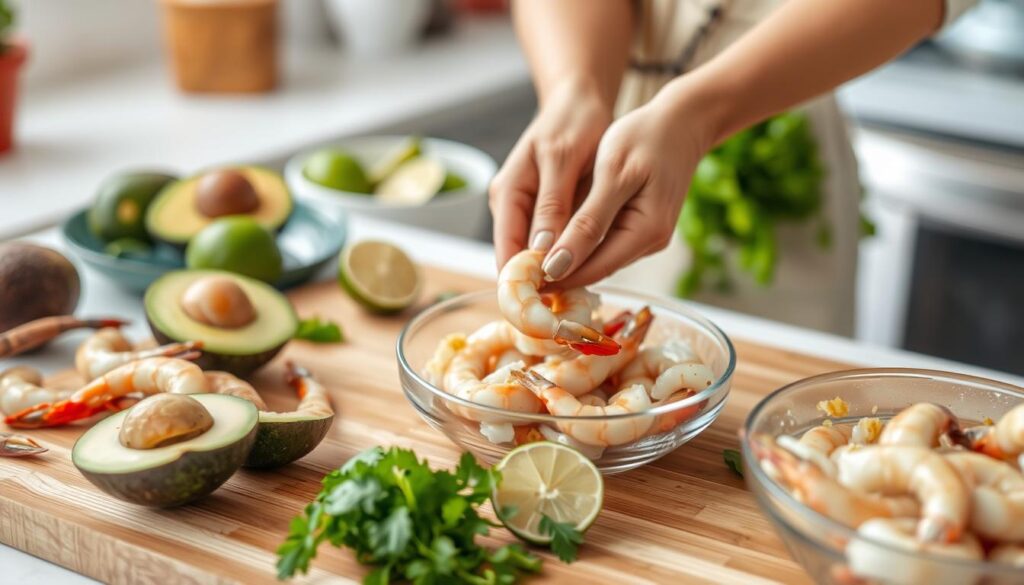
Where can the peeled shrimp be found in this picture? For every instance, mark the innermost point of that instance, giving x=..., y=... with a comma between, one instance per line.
x=816, y=489
x=521, y=303
x=997, y=498
x=916, y=471
x=574, y=305
x=582, y=374
x=21, y=388
x=670, y=420
x=33, y=334
x=227, y=383
x=437, y=366
x=1003, y=440
x=314, y=399
x=107, y=349
x=817, y=444
x=1008, y=554
x=148, y=376
x=919, y=425
x=887, y=560
x=468, y=367
x=603, y=433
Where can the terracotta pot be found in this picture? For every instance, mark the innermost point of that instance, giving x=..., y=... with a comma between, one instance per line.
x=222, y=46
x=12, y=57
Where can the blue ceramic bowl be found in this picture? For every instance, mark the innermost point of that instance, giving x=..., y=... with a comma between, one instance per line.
x=310, y=240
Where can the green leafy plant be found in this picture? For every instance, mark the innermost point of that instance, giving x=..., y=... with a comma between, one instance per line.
x=406, y=520
x=733, y=460
x=319, y=331
x=565, y=539
x=765, y=175
x=6, y=22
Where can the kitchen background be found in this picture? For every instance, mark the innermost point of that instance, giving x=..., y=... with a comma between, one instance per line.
x=939, y=135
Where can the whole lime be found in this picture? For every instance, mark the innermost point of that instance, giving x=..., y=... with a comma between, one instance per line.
x=236, y=244
x=337, y=169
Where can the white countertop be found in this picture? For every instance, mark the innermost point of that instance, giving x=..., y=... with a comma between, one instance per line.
x=73, y=135
x=101, y=297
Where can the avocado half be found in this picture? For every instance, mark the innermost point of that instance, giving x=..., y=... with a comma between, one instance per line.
x=174, y=218
x=284, y=437
x=176, y=474
x=239, y=351
x=121, y=204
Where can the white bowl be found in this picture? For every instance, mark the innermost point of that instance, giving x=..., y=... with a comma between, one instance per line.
x=460, y=213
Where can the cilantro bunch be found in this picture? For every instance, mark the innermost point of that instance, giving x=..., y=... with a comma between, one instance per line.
x=407, y=520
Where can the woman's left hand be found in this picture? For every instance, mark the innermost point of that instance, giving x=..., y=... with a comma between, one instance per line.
x=642, y=171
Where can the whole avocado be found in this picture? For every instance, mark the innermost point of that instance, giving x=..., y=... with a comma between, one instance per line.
x=121, y=202
x=35, y=282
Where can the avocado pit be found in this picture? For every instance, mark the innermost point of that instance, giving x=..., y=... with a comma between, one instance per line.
x=225, y=192
x=164, y=419
x=218, y=301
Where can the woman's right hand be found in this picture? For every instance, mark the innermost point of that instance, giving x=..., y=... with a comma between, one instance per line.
x=532, y=196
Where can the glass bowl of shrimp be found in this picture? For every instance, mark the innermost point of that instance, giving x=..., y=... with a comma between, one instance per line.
x=507, y=403
x=891, y=476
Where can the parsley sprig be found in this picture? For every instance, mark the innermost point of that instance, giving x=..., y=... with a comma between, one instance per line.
x=408, y=521
x=565, y=539
x=319, y=330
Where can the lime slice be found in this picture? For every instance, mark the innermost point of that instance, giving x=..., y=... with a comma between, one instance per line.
x=453, y=182
x=544, y=478
x=414, y=182
x=405, y=151
x=379, y=276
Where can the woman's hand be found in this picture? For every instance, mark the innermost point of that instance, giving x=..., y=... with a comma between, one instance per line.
x=642, y=171
x=532, y=195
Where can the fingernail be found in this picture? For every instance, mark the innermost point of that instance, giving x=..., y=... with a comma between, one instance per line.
x=542, y=240
x=557, y=264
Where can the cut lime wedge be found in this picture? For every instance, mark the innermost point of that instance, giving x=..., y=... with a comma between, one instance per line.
x=379, y=276
x=414, y=182
x=405, y=151
x=547, y=479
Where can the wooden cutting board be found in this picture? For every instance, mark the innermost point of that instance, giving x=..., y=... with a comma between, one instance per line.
x=685, y=518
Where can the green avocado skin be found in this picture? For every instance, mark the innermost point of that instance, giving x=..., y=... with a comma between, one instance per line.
x=239, y=365
x=280, y=443
x=137, y=188
x=190, y=477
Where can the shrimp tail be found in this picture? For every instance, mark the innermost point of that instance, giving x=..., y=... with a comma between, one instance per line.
x=12, y=445
x=296, y=375
x=103, y=323
x=586, y=340
x=531, y=380
x=52, y=415
x=616, y=323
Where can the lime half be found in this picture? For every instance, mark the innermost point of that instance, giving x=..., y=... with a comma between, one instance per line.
x=414, y=182
x=379, y=276
x=547, y=479
x=406, y=150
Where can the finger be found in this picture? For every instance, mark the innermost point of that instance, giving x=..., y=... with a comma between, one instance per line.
x=591, y=221
x=632, y=237
x=559, y=174
x=511, y=204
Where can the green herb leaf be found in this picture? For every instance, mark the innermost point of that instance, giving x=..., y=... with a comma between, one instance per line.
x=319, y=331
x=565, y=539
x=733, y=461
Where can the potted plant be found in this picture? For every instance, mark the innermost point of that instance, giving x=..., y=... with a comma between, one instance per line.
x=12, y=55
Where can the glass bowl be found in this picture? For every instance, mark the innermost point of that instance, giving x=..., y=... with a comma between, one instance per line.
x=830, y=551
x=671, y=424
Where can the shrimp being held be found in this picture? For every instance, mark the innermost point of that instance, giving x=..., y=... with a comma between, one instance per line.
x=919, y=425
x=21, y=387
x=602, y=433
x=36, y=333
x=520, y=301
x=575, y=306
x=144, y=377
x=107, y=349
x=582, y=374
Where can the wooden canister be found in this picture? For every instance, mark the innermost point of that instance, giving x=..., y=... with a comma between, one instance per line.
x=222, y=46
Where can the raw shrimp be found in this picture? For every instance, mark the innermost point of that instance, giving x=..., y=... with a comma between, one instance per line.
x=817, y=444
x=603, y=433
x=574, y=305
x=997, y=499
x=149, y=376
x=35, y=333
x=882, y=554
x=919, y=425
x=107, y=349
x=916, y=471
x=468, y=367
x=13, y=445
x=21, y=388
x=810, y=485
x=582, y=374
x=227, y=383
x=1003, y=440
x=521, y=303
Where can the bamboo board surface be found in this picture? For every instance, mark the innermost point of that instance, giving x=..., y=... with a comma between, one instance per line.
x=685, y=518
